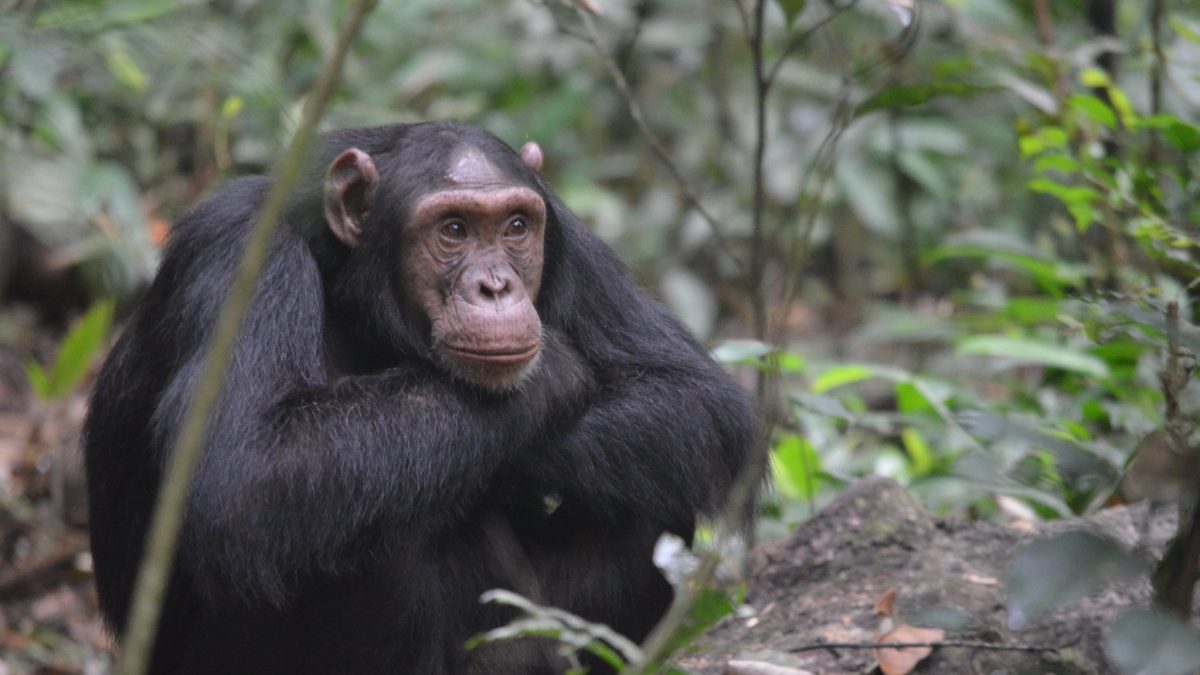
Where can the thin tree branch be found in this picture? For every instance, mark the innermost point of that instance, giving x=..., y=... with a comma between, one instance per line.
x=742, y=493
x=1045, y=29
x=745, y=17
x=1158, y=67
x=816, y=176
x=592, y=37
x=1174, y=579
x=799, y=39
x=758, y=238
x=965, y=644
x=903, y=184
x=169, y=509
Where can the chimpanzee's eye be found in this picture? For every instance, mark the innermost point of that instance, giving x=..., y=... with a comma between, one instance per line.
x=455, y=229
x=517, y=227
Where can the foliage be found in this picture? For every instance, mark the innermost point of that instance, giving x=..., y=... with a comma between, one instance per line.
x=79, y=350
x=972, y=231
x=572, y=632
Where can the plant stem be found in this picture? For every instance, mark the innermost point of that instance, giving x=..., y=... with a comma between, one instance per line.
x=169, y=509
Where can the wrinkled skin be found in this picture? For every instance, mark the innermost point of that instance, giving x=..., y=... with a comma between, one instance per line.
x=472, y=261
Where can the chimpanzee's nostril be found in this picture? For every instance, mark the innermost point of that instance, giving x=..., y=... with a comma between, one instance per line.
x=494, y=288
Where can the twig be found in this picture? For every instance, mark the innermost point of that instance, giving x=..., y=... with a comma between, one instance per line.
x=592, y=37
x=169, y=509
x=798, y=40
x=758, y=240
x=964, y=644
x=821, y=168
x=1158, y=66
x=903, y=184
x=1045, y=29
x=1172, y=381
x=1174, y=579
x=745, y=486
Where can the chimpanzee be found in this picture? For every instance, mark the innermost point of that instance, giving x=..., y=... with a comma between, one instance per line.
x=445, y=384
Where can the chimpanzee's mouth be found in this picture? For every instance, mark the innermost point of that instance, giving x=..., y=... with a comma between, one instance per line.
x=498, y=357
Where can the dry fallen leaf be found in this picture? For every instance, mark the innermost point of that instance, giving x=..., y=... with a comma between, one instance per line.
x=902, y=661
x=886, y=604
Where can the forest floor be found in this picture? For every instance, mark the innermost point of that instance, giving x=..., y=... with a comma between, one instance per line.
x=49, y=620
x=822, y=583
x=818, y=585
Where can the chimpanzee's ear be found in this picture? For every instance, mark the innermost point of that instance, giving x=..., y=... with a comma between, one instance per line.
x=531, y=154
x=350, y=184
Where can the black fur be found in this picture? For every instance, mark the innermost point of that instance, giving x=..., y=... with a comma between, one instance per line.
x=353, y=499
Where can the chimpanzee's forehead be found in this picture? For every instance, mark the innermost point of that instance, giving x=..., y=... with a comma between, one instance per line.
x=471, y=167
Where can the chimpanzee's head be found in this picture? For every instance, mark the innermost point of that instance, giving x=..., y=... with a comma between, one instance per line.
x=470, y=244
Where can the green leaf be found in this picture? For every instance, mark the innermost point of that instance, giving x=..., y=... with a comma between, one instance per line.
x=709, y=607
x=791, y=10
x=1094, y=108
x=1030, y=145
x=1186, y=31
x=1034, y=352
x=123, y=68
x=985, y=470
x=1077, y=198
x=1147, y=641
x=1053, y=572
x=790, y=363
x=1183, y=136
x=1054, y=137
x=827, y=406
x=840, y=376
x=1052, y=277
x=1124, y=108
x=76, y=17
x=38, y=379
x=1030, y=311
x=919, y=455
x=911, y=400
x=78, y=350
x=908, y=95
x=1069, y=194
x=1061, y=163
x=794, y=467
x=1096, y=78
x=231, y=107
x=1064, y=453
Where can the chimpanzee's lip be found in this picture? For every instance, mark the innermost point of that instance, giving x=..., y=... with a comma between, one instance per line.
x=494, y=357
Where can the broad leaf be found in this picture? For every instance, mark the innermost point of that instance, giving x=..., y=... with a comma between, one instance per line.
x=840, y=376
x=1036, y=352
x=1052, y=572
x=76, y=354
x=794, y=466
x=1153, y=642
x=791, y=10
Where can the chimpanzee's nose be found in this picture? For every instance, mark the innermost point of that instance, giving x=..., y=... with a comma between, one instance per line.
x=495, y=288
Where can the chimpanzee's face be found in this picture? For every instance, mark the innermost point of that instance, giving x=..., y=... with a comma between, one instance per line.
x=473, y=262
x=471, y=258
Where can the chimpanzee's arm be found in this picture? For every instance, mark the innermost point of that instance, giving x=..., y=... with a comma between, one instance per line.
x=669, y=430
x=298, y=466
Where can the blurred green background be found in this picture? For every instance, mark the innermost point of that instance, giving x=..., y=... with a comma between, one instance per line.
x=956, y=252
